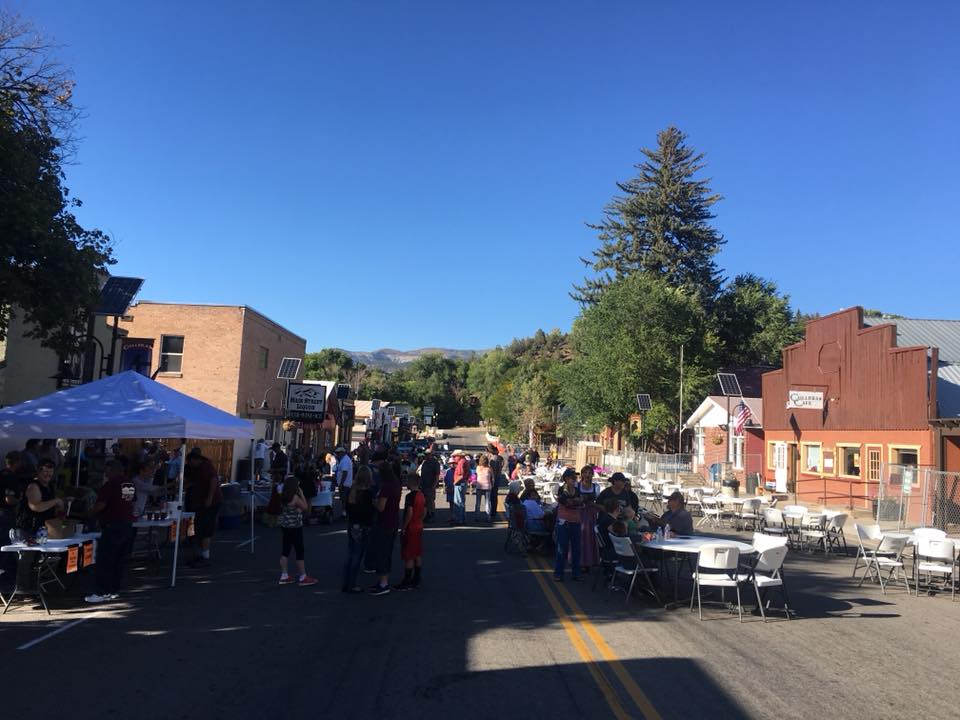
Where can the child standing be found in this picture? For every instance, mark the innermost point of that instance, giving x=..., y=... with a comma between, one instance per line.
x=294, y=505
x=411, y=542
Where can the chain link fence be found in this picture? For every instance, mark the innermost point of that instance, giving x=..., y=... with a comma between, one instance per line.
x=908, y=496
x=657, y=466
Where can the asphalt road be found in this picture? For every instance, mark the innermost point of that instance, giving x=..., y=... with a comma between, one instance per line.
x=488, y=635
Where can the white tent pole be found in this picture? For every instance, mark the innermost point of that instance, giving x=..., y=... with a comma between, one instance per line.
x=176, y=542
x=253, y=477
x=79, y=450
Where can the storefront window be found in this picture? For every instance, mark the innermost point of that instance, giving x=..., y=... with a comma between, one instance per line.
x=811, y=461
x=850, y=461
x=904, y=456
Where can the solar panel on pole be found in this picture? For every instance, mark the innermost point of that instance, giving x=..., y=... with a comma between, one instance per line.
x=644, y=403
x=729, y=385
x=289, y=367
x=116, y=295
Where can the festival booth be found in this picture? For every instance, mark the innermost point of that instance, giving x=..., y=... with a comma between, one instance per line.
x=126, y=405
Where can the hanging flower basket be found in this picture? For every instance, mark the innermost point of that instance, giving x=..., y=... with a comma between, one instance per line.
x=289, y=425
x=717, y=440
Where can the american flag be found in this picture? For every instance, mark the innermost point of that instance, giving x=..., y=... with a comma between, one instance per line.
x=740, y=418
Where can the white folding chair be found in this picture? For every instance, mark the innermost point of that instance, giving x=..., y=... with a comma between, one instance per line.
x=762, y=542
x=793, y=517
x=867, y=533
x=936, y=557
x=813, y=527
x=693, y=500
x=717, y=566
x=712, y=512
x=773, y=523
x=631, y=565
x=835, y=536
x=887, y=557
x=767, y=571
x=749, y=513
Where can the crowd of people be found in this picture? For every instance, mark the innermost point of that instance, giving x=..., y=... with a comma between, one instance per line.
x=583, y=515
x=369, y=482
x=113, y=489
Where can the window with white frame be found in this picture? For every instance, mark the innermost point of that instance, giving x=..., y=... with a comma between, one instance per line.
x=811, y=458
x=701, y=443
x=171, y=353
x=849, y=460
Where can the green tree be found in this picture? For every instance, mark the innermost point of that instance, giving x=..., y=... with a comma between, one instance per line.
x=754, y=322
x=327, y=364
x=53, y=265
x=629, y=342
x=660, y=225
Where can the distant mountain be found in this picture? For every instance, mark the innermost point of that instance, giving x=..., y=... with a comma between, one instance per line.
x=389, y=359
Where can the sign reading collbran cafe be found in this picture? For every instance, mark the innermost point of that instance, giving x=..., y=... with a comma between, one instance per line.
x=805, y=400
x=306, y=402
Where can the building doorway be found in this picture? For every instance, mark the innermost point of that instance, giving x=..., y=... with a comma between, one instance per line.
x=793, y=460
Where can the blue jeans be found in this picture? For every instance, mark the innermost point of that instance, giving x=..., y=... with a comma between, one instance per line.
x=482, y=495
x=457, y=510
x=357, y=536
x=568, y=538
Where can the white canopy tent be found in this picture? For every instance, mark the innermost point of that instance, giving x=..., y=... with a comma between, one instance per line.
x=127, y=405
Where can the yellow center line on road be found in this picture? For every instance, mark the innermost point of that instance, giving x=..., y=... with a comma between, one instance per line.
x=580, y=646
x=606, y=652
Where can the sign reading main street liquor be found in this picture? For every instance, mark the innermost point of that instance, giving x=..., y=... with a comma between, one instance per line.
x=306, y=402
x=805, y=400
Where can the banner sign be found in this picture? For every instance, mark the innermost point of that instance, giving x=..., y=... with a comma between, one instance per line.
x=306, y=402
x=73, y=558
x=88, y=557
x=805, y=400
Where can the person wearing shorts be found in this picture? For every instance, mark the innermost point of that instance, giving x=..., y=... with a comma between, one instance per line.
x=411, y=542
x=385, y=529
x=204, y=501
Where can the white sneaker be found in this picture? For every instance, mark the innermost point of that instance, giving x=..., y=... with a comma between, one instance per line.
x=94, y=598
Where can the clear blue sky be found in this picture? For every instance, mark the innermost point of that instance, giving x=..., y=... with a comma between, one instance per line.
x=406, y=174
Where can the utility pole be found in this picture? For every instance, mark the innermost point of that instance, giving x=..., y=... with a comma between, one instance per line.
x=680, y=424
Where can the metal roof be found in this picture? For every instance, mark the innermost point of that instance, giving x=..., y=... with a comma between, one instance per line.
x=948, y=391
x=941, y=334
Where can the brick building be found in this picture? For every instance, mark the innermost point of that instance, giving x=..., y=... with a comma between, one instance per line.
x=711, y=451
x=225, y=355
x=851, y=402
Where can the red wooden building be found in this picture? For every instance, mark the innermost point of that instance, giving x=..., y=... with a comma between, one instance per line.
x=850, y=401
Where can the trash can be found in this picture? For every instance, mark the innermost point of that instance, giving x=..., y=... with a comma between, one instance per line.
x=751, y=484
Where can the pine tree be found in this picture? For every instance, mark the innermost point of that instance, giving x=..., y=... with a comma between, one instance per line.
x=660, y=225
